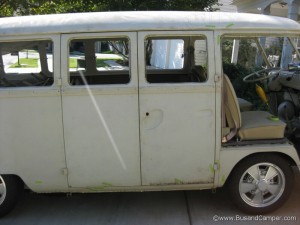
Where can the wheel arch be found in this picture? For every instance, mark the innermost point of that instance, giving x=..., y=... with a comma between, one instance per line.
x=12, y=187
x=282, y=155
x=230, y=160
x=14, y=175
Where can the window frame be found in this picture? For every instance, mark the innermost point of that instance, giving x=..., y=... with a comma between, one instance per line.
x=189, y=38
x=67, y=38
x=55, y=40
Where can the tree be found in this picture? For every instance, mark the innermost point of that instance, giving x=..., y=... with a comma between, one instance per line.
x=33, y=7
x=182, y=5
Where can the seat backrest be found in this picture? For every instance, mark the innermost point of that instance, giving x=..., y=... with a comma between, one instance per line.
x=231, y=105
x=198, y=74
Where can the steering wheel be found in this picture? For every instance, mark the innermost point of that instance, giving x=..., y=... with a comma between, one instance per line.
x=261, y=75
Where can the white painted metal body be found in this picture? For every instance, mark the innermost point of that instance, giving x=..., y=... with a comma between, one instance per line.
x=132, y=137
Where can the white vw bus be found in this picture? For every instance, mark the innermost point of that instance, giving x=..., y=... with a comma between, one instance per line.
x=139, y=101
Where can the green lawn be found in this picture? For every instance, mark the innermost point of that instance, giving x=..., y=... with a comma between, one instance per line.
x=26, y=63
x=29, y=50
x=72, y=63
x=33, y=63
x=99, y=62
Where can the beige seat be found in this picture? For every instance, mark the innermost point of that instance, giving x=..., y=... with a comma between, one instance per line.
x=251, y=125
x=244, y=105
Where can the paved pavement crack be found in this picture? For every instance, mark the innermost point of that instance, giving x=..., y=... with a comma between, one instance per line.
x=188, y=208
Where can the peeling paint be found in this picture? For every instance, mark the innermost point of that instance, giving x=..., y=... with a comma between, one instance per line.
x=222, y=181
x=210, y=26
x=211, y=168
x=218, y=163
x=218, y=39
x=230, y=25
x=101, y=187
x=178, y=181
x=105, y=184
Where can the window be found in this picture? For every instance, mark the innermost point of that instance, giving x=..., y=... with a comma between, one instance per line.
x=176, y=60
x=99, y=61
x=272, y=57
x=26, y=63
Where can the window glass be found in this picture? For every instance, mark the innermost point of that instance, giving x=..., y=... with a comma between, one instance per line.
x=26, y=63
x=99, y=61
x=166, y=54
x=176, y=60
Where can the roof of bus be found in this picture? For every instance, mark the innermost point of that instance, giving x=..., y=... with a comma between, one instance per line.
x=142, y=20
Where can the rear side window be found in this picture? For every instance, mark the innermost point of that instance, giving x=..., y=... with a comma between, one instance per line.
x=165, y=54
x=26, y=63
x=176, y=59
x=99, y=61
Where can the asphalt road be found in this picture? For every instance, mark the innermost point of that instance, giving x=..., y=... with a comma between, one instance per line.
x=159, y=208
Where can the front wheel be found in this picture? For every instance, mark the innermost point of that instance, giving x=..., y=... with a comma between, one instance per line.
x=10, y=190
x=261, y=183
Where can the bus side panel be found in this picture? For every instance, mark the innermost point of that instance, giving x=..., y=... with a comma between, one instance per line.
x=31, y=130
x=31, y=138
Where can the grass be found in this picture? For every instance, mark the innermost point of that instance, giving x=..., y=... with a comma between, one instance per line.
x=33, y=63
x=72, y=63
x=26, y=63
x=99, y=62
x=29, y=50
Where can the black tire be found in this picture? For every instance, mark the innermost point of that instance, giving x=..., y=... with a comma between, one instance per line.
x=10, y=192
x=256, y=193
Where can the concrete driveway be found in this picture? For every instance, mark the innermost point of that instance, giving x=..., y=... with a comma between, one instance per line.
x=162, y=208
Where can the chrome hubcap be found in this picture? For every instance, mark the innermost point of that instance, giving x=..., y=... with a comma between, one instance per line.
x=2, y=190
x=262, y=184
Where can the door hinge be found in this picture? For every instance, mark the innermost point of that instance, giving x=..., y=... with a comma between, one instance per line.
x=216, y=166
x=217, y=78
x=64, y=171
